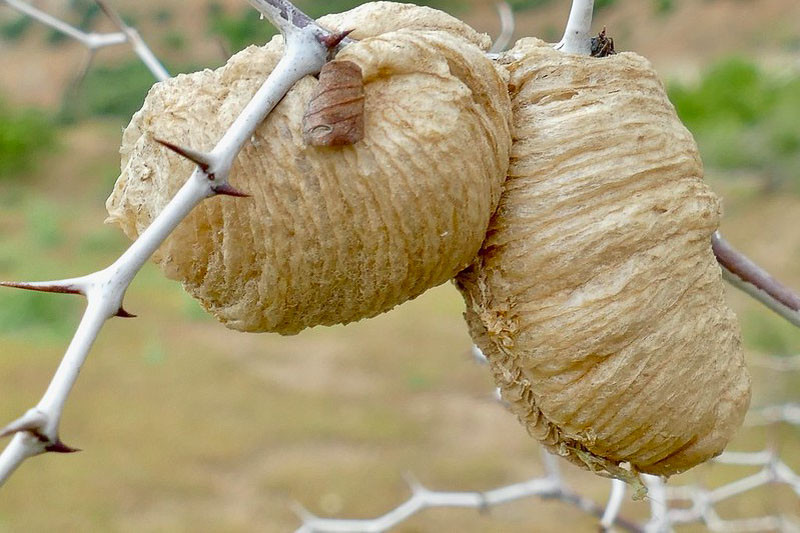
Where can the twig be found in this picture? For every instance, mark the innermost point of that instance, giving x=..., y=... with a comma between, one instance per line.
x=771, y=414
x=778, y=363
x=744, y=274
x=139, y=46
x=702, y=501
x=506, y=27
x=614, y=505
x=94, y=41
x=37, y=431
x=548, y=487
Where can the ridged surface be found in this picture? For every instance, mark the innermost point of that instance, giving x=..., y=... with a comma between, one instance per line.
x=596, y=296
x=331, y=234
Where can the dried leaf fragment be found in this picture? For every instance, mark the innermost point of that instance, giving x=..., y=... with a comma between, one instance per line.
x=335, y=113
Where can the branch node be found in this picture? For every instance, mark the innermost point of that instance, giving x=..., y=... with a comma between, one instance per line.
x=33, y=421
x=413, y=483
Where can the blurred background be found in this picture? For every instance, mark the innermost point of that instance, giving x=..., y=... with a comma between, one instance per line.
x=187, y=426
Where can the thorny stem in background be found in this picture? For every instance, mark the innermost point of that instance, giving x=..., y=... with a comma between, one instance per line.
x=94, y=41
x=695, y=504
x=507, y=24
x=549, y=487
x=306, y=51
x=669, y=505
x=138, y=44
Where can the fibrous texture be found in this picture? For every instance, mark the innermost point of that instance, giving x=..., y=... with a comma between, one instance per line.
x=331, y=234
x=596, y=296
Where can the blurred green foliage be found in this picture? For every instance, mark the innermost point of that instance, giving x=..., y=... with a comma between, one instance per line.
x=15, y=29
x=661, y=6
x=163, y=16
x=24, y=133
x=602, y=4
x=240, y=29
x=50, y=316
x=116, y=90
x=769, y=334
x=521, y=5
x=113, y=91
x=664, y=7
x=745, y=118
x=243, y=27
x=174, y=40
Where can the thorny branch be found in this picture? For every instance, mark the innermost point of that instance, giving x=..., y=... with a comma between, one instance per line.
x=136, y=41
x=306, y=51
x=670, y=506
x=548, y=487
x=696, y=504
x=95, y=41
x=307, y=48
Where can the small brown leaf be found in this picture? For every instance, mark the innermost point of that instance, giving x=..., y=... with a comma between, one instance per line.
x=335, y=114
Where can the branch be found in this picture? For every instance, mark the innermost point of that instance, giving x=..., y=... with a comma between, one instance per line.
x=702, y=501
x=744, y=274
x=576, y=39
x=307, y=50
x=94, y=41
x=549, y=487
x=139, y=46
x=506, y=27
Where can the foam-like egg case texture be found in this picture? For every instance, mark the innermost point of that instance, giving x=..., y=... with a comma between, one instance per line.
x=331, y=234
x=596, y=296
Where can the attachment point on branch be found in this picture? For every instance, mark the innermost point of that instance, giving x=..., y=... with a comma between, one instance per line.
x=282, y=14
x=33, y=421
x=413, y=483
